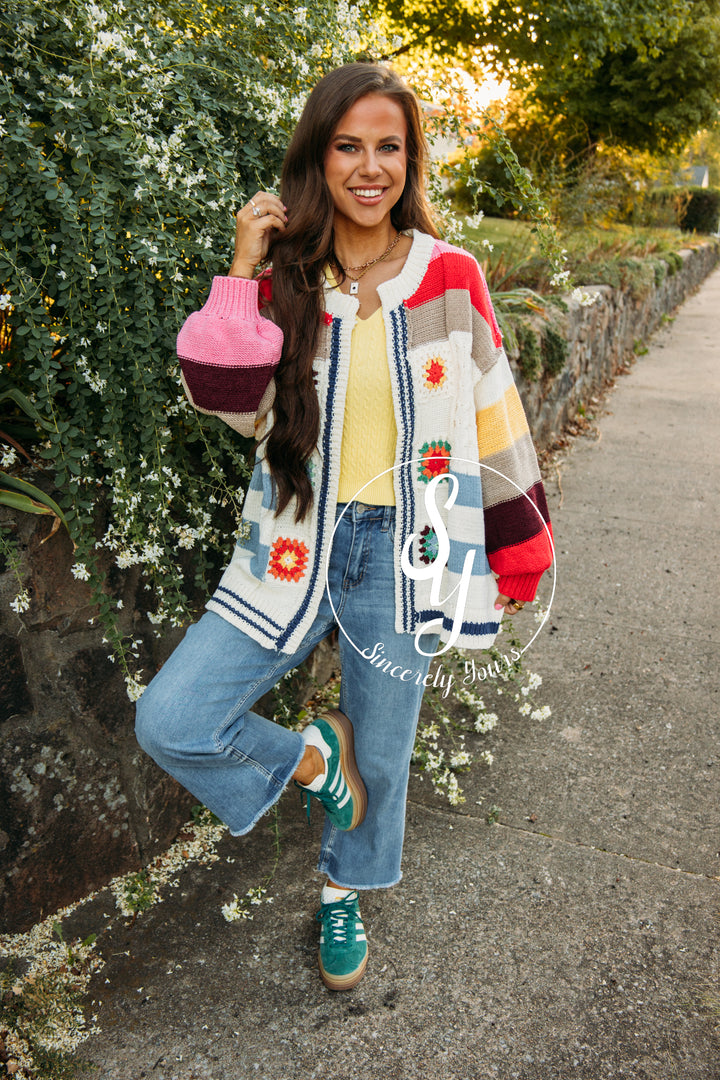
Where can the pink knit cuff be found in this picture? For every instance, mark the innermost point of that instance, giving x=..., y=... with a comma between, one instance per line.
x=232, y=296
x=228, y=352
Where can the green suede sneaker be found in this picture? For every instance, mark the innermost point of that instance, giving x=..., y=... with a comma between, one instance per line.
x=343, y=946
x=341, y=789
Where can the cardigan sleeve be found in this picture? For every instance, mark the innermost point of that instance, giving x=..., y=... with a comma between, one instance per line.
x=228, y=355
x=518, y=537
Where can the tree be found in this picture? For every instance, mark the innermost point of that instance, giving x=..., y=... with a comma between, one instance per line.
x=647, y=100
x=644, y=74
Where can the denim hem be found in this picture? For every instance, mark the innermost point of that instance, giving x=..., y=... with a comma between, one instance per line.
x=349, y=885
x=271, y=802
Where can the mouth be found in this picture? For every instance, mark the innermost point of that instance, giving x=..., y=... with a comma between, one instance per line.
x=368, y=194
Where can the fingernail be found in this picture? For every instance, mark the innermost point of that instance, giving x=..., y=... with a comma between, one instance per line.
x=498, y=607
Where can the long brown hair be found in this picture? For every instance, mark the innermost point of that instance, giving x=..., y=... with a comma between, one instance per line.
x=301, y=253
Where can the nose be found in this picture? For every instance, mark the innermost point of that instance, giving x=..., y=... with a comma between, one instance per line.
x=370, y=164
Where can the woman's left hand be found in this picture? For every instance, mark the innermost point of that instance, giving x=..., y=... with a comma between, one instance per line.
x=509, y=606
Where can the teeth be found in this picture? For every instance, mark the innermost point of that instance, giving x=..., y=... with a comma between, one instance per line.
x=367, y=193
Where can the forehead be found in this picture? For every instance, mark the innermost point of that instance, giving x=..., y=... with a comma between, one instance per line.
x=373, y=115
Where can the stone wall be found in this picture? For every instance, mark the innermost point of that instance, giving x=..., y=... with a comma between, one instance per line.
x=79, y=802
x=601, y=338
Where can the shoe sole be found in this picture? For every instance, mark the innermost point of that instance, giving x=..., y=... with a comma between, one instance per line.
x=342, y=982
x=343, y=729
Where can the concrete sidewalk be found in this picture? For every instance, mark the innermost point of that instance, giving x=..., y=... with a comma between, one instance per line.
x=576, y=938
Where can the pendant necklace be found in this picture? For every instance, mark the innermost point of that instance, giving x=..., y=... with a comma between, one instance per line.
x=360, y=271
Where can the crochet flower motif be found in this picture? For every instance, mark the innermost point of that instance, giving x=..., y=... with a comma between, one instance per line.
x=288, y=559
x=435, y=373
x=435, y=457
x=428, y=545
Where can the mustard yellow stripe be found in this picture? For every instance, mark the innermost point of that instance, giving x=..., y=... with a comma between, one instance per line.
x=501, y=424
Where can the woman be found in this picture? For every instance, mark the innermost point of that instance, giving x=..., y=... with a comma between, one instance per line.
x=369, y=366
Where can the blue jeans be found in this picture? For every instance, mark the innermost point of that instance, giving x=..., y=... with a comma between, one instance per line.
x=195, y=720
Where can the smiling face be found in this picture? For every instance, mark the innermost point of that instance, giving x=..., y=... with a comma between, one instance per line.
x=366, y=162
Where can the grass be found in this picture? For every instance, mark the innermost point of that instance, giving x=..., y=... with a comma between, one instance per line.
x=618, y=255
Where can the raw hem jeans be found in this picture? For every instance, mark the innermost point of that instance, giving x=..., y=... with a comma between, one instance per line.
x=195, y=718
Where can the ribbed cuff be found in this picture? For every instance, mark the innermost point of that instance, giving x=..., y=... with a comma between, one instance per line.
x=232, y=296
x=519, y=586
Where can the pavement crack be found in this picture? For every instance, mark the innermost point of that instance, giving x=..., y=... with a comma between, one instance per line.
x=444, y=812
x=608, y=851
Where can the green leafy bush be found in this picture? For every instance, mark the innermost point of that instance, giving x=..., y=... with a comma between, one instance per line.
x=702, y=210
x=132, y=132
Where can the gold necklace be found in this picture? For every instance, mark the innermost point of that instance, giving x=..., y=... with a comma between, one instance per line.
x=359, y=272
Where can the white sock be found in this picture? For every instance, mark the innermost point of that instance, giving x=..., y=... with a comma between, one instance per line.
x=331, y=895
x=312, y=737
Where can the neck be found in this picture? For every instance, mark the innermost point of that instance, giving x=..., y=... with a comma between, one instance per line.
x=354, y=246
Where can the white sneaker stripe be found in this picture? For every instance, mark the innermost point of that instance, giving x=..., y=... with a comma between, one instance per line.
x=345, y=798
x=337, y=777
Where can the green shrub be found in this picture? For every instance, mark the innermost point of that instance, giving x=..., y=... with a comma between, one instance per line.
x=702, y=211
x=529, y=352
x=133, y=131
x=555, y=350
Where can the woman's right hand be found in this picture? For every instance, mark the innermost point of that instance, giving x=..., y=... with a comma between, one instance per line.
x=254, y=225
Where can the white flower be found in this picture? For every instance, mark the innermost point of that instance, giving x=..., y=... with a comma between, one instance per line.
x=534, y=681
x=21, y=601
x=9, y=457
x=134, y=688
x=459, y=759
x=583, y=298
x=541, y=714
x=524, y=710
x=80, y=571
x=486, y=244
x=486, y=722
x=560, y=278
x=5, y=301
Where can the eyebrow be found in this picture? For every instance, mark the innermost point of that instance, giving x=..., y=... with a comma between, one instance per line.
x=354, y=138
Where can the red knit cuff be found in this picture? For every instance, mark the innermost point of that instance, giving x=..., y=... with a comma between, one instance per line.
x=519, y=586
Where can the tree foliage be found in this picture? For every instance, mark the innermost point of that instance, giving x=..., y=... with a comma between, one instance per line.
x=647, y=99
x=645, y=74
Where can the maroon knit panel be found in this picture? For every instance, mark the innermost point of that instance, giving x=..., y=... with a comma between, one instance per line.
x=224, y=388
x=515, y=518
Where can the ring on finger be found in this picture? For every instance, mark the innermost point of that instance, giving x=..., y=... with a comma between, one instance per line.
x=517, y=604
x=256, y=211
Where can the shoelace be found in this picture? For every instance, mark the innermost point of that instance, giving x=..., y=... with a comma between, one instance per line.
x=327, y=799
x=336, y=918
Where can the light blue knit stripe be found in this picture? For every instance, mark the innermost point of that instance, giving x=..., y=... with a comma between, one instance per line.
x=456, y=559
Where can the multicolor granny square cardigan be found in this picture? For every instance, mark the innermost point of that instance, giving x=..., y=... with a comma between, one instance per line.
x=457, y=412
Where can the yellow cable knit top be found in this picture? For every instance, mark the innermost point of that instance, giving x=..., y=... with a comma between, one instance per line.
x=369, y=430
